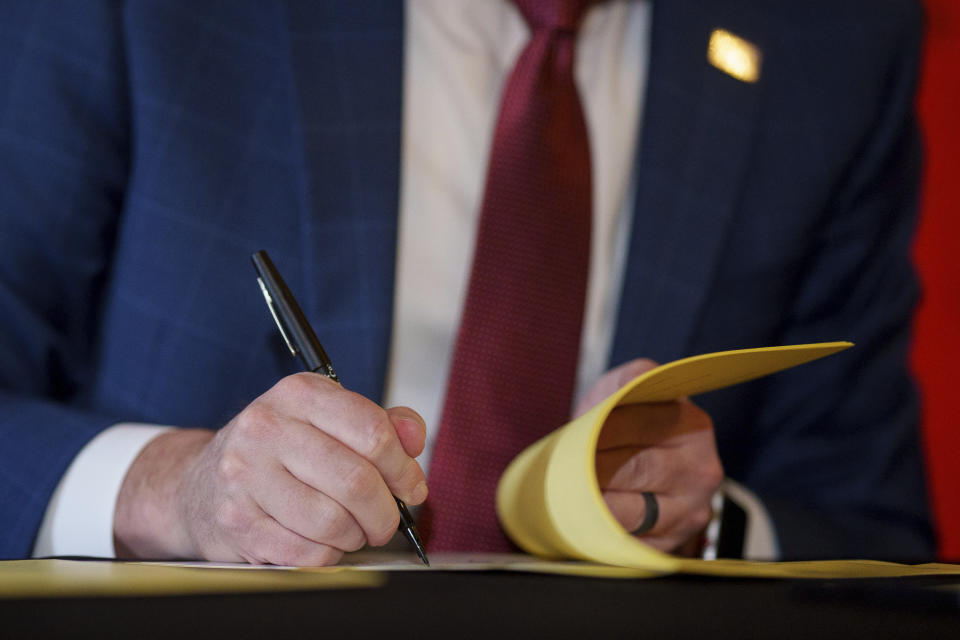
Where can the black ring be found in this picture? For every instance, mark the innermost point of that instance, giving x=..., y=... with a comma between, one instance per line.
x=650, y=514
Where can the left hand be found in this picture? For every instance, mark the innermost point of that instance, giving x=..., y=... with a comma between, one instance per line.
x=666, y=448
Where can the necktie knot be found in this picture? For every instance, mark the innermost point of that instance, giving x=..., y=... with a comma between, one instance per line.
x=561, y=16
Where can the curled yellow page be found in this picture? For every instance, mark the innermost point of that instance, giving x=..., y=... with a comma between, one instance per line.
x=548, y=499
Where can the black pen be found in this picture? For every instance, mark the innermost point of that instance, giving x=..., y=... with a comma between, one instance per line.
x=303, y=342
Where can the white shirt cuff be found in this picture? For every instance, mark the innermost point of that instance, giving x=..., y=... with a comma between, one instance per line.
x=79, y=517
x=760, y=538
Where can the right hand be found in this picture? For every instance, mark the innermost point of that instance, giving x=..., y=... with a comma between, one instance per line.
x=306, y=472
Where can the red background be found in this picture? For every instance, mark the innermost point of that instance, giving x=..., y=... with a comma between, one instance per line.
x=936, y=351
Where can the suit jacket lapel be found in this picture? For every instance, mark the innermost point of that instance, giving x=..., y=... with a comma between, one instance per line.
x=698, y=127
x=347, y=62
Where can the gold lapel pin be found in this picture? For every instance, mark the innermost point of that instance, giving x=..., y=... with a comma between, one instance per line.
x=734, y=56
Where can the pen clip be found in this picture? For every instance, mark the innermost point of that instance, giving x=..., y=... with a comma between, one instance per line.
x=276, y=318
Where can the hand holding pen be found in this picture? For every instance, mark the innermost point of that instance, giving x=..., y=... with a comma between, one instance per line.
x=305, y=472
x=303, y=342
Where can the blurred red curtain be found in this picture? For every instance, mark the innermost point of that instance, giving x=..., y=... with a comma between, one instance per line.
x=936, y=350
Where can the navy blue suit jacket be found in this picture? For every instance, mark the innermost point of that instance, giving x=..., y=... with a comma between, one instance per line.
x=148, y=147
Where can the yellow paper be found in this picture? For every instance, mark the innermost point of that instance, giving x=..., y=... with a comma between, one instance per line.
x=550, y=504
x=87, y=578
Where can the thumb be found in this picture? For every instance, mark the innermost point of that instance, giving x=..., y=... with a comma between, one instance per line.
x=411, y=429
x=611, y=381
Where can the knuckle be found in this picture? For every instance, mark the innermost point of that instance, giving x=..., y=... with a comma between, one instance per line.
x=297, y=552
x=700, y=518
x=634, y=469
x=232, y=519
x=379, y=437
x=283, y=552
x=383, y=534
x=297, y=385
x=255, y=423
x=334, y=528
x=354, y=541
x=361, y=481
x=410, y=474
x=338, y=529
x=639, y=467
x=324, y=555
x=711, y=474
x=230, y=468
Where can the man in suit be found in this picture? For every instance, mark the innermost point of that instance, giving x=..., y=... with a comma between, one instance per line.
x=149, y=147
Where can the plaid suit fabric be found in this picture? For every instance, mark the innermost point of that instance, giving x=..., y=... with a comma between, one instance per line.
x=148, y=147
x=147, y=150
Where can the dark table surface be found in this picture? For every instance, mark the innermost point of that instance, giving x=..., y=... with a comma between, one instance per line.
x=510, y=605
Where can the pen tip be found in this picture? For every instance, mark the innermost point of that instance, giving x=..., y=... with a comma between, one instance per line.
x=418, y=546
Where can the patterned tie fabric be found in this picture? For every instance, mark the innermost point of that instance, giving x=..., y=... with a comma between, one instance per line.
x=515, y=360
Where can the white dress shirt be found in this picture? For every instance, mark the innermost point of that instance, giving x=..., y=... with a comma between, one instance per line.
x=458, y=56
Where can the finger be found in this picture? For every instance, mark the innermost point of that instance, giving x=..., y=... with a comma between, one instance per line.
x=613, y=380
x=411, y=429
x=690, y=467
x=359, y=424
x=268, y=542
x=651, y=424
x=307, y=512
x=677, y=518
x=634, y=469
x=247, y=533
x=373, y=436
x=629, y=508
x=327, y=465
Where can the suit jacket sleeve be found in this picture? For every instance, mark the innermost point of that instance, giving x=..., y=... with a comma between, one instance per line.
x=63, y=158
x=840, y=464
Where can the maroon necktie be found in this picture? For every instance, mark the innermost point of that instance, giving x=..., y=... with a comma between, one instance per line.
x=514, y=366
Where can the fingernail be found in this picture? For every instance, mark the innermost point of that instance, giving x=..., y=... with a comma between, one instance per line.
x=419, y=493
